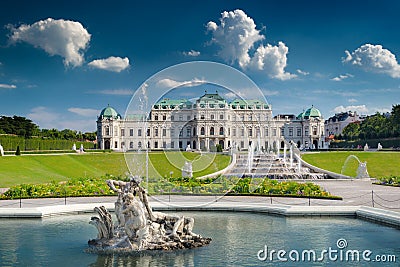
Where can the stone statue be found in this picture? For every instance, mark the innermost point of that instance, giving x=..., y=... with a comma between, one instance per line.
x=1, y=150
x=74, y=147
x=138, y=227
x=379, y=146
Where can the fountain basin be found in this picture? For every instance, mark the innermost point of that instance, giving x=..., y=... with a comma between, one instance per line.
x=237, y=239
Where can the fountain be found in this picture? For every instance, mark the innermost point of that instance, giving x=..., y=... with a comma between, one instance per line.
x=187, y=170
x=250, y=157
x=362, y=171
x=138, y=228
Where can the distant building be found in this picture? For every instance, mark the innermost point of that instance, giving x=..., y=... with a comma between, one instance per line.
x=175, y=124
x=335, y=125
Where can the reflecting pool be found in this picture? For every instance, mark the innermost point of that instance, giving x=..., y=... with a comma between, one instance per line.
x=239, y=239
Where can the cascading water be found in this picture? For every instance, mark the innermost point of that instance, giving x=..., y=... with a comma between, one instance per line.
x=361, y=172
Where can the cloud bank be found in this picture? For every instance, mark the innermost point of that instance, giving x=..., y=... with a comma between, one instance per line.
x=237, y=36
x=64, y=38
x=374, y=58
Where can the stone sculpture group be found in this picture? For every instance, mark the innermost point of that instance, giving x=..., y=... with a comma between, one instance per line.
x=138, y=227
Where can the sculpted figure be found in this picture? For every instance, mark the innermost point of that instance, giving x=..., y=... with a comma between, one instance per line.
x=136, y=222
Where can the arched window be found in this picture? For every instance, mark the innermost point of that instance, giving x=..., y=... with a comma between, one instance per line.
x=202, y=131
x=139, y=144
x=212, y=131
x=221, y=131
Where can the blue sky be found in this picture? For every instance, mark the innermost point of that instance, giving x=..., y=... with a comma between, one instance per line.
x=62, y=62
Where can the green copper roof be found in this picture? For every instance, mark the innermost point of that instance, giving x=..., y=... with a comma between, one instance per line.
x=172, y=103
x=211, y=99
x=310, y=113
x=110, y=112
x=251, y=103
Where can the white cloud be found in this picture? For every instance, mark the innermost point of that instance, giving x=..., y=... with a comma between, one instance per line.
x=301, y=72
x=361, y=109
x=86, y=112
x=60, y=37
x=117, y=92
x=352, y=100
x=7, y=86
x=342, y=77
x=48, y=119
x=237, y=36
x=191, y=53
x=272, y=59
x=115, y=64
x=170, y=83
x=44, y=117
x=374, y=58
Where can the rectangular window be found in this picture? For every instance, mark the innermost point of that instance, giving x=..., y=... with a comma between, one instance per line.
x=122, y=132
x=242, y=132
x=188, y=131
x=202, y=116
x=306, y=131
x=164, y=132
x=155, y=144
x=250, y=131
x=164, y=144
x=241, y=144
x=172, y=118
x=172, y=132
x=266, y=131
x=188, y=117
x=282, y=131
x=291, y=131
x=258, y=132
x=234, y=132
x=314, y=130
x=116, y=144
x=298, y=131
x=180, y=117
x=172, y=144
x=180, y=144
x=148, y=132
x=221, y=116
x=274, y=132
x=156, y=132
x=139, y=132
x=156, y=117
x=164, y=117
x=212, y=116
x=130, y=132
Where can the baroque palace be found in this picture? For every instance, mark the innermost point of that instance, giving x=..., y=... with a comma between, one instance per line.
x=208, y=122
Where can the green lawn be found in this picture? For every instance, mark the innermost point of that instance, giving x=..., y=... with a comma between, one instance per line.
x=379, y=164
x=45, y=168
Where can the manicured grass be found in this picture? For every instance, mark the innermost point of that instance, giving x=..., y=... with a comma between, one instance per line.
x=34, y=169
x=379, y=164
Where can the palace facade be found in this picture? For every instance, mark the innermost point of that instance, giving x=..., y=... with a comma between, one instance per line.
x=208, y=122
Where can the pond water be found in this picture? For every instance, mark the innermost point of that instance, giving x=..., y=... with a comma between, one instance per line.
x=239, y=239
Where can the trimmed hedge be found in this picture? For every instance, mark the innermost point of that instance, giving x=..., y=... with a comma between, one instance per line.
x=10, y=143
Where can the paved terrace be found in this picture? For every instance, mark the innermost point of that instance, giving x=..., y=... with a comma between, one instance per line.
x=383, y=205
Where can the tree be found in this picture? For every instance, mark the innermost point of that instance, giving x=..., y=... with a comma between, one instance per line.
x=18, y=152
